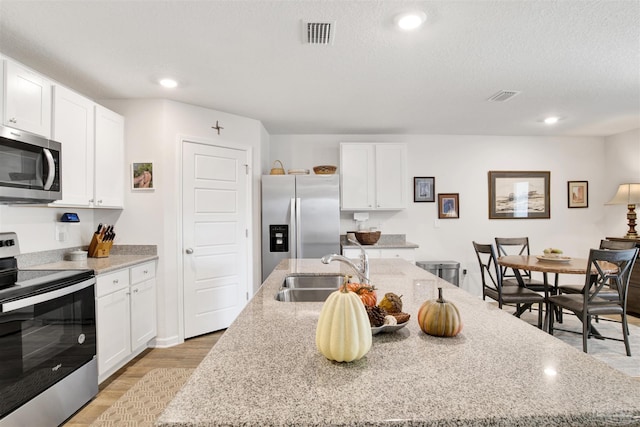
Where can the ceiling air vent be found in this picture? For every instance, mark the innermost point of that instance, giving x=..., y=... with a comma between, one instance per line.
x=318, y=32
x=503, y=95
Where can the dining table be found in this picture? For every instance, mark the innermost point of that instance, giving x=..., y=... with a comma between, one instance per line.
x=550, y=265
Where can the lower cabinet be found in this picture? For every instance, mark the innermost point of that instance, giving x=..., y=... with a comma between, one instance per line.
x=125, y=315
x=407, y=254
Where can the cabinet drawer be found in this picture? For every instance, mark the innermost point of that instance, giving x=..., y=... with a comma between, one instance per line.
x=143, y=272
x=107, y=283
x=408, y=254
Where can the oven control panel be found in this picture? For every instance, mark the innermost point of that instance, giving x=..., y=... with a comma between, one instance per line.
x=9, y=246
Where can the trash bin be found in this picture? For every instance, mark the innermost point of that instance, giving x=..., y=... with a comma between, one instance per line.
x=447, y=270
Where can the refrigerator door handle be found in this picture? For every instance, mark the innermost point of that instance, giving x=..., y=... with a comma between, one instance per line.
x=298, y=230
x=293, y=231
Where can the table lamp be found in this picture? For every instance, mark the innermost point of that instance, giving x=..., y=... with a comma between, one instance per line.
x=628, y=194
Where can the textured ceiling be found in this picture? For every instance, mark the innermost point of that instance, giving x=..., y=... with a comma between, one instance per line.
x=578, y=59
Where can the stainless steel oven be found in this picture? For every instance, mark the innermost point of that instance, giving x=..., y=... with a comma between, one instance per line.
x=29, y=168
x=48, y=366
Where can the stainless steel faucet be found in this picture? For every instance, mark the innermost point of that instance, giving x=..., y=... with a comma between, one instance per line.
x=362, y=269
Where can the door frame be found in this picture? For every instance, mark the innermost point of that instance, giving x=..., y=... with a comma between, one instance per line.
x=250, y=232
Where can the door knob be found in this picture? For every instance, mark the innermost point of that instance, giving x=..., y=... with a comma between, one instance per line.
x=189, y=251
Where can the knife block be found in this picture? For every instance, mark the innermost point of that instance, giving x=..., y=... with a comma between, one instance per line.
x=99, y=248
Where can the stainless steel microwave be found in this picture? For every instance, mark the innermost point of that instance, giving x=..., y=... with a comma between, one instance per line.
x=29, y=168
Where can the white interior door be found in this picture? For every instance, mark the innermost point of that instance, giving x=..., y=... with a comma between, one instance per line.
x=215, y=220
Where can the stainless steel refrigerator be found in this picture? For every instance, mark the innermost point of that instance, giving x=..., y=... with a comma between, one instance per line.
x=300, y=218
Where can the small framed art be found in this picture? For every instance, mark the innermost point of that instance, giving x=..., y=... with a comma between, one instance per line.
x=578, y=194
x=448, y=205
x=142, y=176
x=424, y=189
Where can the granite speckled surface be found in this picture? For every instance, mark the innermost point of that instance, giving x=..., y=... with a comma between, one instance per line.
x=120, y=256
x=266, y=370
x=386, y=241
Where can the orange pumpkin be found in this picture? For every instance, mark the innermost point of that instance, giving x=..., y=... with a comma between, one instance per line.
x=366, y=293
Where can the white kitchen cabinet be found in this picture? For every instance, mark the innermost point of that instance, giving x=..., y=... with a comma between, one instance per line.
x=27, y=100
x=109, y=159
x=373, y=253
x=73, y=127
x=113, y=314
x=125, y=315
x=143, y=305
x=373, y=176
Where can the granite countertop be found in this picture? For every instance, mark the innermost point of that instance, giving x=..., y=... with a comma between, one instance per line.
x=386, y=241
x=120, y=257
x=266, y=370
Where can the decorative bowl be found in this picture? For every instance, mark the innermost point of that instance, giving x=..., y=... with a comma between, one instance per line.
x=325, y=170
x=368, y=237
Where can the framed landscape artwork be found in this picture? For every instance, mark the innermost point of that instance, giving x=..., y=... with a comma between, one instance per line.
x=448, y=205
x=424, y=189
x=519, y=194
x=578, y=194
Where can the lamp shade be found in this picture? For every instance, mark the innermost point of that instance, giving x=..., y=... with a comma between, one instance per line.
x=628, y=194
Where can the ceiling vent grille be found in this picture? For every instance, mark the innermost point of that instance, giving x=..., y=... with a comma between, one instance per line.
x=503, y=96
x=318, y=32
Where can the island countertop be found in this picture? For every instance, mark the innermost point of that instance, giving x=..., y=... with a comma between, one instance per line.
x=266, y=370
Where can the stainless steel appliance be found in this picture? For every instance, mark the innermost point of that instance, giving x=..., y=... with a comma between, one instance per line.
x=29, y=168
x=300, y=218
x=48, y=366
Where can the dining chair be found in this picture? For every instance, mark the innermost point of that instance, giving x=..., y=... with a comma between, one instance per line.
x=517, y=246
x=609, y=292
x=492, y=284
x=588, y=303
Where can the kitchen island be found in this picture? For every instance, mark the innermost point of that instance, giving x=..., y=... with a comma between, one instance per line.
x=266, y=370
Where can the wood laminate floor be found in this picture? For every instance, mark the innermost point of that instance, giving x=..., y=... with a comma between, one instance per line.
x=186, y=355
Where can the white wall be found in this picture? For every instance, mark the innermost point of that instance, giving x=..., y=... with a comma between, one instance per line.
x=153, y=132
x=621, y=165
x=36, y=227
x=460, y=164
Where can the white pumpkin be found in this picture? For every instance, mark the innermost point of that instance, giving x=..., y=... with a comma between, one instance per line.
x=343, y=333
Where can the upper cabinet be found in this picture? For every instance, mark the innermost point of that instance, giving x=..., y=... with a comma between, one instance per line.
x=92, y=139
x=27, y=100
x=373, y=176
x=73, y=127
x=109, y=159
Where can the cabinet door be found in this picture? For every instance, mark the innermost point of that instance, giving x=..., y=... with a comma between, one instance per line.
x=27, y=100
x=143, y=313
x=109, y=158
x=406, y=254
x=73, y=127
x=357, y=176
x=113, y=327
x=391, y=181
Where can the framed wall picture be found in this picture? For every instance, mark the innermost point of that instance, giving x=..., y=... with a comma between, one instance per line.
x=424, y=189
x=448, y=205
x=519, y=195
x=578, y=194
x=142, y=176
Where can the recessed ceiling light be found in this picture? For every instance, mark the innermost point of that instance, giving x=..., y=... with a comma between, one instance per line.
x=410, y=21
x=168, y=83
x=551, y=120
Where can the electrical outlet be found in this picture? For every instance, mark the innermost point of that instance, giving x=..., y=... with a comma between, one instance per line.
x=61, y=232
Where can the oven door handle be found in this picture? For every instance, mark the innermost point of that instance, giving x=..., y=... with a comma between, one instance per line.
x=36, y=299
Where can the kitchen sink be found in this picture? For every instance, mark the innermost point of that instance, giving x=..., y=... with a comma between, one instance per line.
x=304, y=295
x=306, y=282
x=308, y=288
